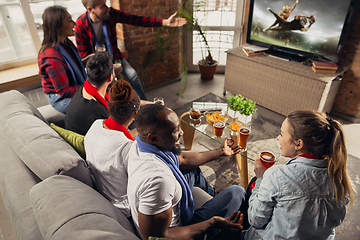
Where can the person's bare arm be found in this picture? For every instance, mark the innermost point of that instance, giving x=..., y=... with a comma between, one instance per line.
x=173, y=21
x=296, y=2
x=307, y=28
x=158, y=226
x=190, y=160
x=299, y=16
x=144, y=102
x=85, y=59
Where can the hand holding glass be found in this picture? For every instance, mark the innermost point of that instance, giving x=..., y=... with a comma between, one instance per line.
x=267, y=159
x=117, y=69
x=100, y=48
x=158, y=100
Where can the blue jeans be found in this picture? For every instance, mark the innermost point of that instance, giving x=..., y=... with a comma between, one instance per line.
x=56, y=101
x=131, y=75
x=195, y=178
x=223, y=205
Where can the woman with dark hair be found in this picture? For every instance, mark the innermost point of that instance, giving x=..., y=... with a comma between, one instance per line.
x=107, y=144
x=60, y=66
x=306, y=197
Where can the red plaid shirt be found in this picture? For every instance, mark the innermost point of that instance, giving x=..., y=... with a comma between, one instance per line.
x=85, y=34
x=55, y=73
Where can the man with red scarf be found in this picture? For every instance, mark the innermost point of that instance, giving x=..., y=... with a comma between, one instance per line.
x=89, y=102
x=97, y=27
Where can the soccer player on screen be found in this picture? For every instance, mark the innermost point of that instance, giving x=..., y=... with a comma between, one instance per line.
x=284, y=14
x=298, y=23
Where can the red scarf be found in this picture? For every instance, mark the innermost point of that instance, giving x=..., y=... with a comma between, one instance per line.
x=94, y=93
x=114, y=125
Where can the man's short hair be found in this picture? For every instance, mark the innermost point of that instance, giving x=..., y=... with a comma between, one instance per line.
x=303, y=20
x=147, y=119
x=89, y=3
x=99, y=67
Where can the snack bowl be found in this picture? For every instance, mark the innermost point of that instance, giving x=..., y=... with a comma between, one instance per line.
x=212, y=116
x=235, y=126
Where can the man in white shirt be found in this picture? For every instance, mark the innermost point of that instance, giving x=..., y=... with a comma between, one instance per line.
x=160, y=198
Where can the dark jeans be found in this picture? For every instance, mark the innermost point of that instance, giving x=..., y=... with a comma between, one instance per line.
x=223, y=204
x=196, y=178
x=57, y=102
x=132, y=76
x=243, y=209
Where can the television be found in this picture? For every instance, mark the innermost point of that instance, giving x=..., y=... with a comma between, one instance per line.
x=300, y=30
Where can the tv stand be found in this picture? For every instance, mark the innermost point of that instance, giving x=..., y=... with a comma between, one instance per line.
x=285, y=55
x=281, y=86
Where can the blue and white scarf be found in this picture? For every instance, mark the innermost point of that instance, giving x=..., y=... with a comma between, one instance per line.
x=171, y=160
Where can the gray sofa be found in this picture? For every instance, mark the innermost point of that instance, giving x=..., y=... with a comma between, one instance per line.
x=46, y=186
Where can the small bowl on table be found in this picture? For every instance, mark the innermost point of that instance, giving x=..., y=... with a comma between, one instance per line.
x=214, y=115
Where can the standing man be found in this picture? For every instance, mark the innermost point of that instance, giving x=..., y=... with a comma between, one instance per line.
x=160, y=198
x=97, y=27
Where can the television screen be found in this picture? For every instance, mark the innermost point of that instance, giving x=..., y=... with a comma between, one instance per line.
x=306, y=28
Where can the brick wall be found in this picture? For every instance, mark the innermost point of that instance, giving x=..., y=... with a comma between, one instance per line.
x=138, y=42
x=347, y=101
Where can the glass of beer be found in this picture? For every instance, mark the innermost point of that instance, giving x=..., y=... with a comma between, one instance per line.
x=219, y=128
x=158, y=100
x=267, y=159
x=117, y=69
x=100, y=48
x=244, y=135
x=194, y=116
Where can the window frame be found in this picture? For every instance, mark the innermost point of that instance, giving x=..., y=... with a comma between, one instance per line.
x=25, y=6
x=237, y=29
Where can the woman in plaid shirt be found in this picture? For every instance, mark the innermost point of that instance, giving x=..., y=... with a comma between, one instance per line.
x=60, y=66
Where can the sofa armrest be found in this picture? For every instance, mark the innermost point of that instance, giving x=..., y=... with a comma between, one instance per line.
x=65, y=208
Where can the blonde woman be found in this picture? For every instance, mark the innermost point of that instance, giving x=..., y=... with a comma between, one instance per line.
x=305, y=198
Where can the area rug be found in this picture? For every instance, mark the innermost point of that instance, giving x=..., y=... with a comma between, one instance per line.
x=223, y=172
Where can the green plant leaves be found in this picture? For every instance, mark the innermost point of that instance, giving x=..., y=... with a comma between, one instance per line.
x=241, y=104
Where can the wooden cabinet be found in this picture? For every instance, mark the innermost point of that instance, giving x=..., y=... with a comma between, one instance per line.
x=280, y=85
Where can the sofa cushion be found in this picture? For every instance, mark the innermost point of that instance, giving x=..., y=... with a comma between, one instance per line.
x=15, y=183
x=74, y=139
x=52, y=116
x=68, y=209
x=37, y=145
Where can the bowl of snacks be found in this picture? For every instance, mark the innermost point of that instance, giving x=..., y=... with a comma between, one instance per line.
x=235, y=126
x=213, y=116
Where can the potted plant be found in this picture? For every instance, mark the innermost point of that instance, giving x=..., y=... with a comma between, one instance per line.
x=240, y=109
x=207, y=65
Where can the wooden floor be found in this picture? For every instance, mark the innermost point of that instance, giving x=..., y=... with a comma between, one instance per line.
x=195, y=89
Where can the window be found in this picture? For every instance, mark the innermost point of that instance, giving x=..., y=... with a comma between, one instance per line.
x=222, y=22
x=21, y=28
x=16, y=36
